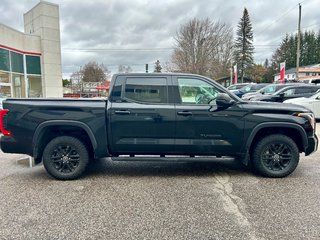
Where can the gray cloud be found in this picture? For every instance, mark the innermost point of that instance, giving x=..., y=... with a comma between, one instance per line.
x=149, y=24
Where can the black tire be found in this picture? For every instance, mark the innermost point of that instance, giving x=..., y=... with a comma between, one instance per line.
x=275, y=156
x=65, y=158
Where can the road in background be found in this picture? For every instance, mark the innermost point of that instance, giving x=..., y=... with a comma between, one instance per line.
x=117, y=200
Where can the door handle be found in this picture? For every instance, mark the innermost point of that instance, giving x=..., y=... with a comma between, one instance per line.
x=122, y=112
x=185, y=113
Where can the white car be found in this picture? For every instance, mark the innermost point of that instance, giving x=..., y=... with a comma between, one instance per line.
x=312, y=102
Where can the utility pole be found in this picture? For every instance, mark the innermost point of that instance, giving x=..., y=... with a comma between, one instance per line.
x=298, y=45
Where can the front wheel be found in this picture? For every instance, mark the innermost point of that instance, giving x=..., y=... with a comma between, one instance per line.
x=65, y=158
x=275, y=156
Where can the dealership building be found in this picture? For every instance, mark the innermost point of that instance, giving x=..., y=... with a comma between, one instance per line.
x=30, y=61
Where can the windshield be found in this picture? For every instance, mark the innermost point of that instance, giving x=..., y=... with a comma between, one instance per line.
x=252, y=87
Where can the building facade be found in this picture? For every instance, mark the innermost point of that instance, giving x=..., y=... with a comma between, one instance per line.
x=306, y=73
x=30, y=61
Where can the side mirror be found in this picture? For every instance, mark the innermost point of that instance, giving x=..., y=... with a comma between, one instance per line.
x=224, y=101
x=281, y=95
x=262, y=92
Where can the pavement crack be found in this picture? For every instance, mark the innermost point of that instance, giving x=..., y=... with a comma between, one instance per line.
x=233, y=204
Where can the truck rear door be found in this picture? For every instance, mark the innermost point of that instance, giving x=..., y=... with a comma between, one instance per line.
x=141, y=118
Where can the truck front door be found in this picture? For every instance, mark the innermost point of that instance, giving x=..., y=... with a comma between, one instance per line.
x=141, y=118
x=200, y=131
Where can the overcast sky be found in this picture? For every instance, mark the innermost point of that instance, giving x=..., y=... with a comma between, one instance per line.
x=137, y=32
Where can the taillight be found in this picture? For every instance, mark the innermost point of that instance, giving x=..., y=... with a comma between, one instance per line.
x=2, y=127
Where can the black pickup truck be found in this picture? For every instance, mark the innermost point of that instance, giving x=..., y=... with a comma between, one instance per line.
x=158, y=117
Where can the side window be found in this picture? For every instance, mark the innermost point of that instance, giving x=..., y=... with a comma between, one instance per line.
x=147, y=89
x=306, y=90
x=115, y=95
x=289, y=92
x=196, y=91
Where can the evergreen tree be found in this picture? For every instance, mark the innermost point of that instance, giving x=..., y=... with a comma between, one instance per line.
x=287, y=51
x=244, y=48
x=317, y=55
x=157, y=66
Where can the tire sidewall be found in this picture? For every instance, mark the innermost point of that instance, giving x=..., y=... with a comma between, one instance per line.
x=262, y=146
x=77, y=145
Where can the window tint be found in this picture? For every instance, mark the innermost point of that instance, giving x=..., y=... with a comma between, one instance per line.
x=306, y=90
x=196, y=91
x=115, y=95
x=16, y=62
x=4, y=60
x=33, y=64
x=147, y=89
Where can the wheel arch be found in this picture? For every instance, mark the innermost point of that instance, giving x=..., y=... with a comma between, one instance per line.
x=294, y=131
x=48, y=130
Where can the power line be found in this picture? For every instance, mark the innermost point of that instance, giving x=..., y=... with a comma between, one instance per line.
x=278, y=19
x=116, y=49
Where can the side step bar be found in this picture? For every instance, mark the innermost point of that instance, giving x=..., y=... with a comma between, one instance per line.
x=171, y=158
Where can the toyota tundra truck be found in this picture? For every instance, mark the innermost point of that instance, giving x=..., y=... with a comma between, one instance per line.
x=158, y=117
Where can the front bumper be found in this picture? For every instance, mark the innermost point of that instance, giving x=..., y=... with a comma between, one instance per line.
x=312, y=145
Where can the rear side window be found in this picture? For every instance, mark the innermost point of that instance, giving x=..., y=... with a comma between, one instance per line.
x=147, y=89
x=306, y=90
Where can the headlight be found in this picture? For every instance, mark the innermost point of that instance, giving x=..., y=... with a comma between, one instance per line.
x=310, y=117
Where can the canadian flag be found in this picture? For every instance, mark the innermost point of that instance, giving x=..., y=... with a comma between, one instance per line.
x=235, y=76
x=282, y=71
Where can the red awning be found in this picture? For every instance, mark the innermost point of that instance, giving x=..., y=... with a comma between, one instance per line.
x=102, y=87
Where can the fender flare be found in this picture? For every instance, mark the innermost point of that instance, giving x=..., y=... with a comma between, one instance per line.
x=257, y=128
x=45, y=124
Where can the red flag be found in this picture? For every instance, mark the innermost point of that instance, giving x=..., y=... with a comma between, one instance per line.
x=235, y=77
x=282, y=71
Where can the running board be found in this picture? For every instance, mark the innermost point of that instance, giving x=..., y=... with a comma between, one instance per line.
x=171, y=158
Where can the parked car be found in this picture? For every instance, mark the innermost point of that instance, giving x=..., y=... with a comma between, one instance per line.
x=269, y=89
x=149, y=117
x=237, y=86
x=253, y=87
x=293, y=91
x=314, y=80
x=312, y=102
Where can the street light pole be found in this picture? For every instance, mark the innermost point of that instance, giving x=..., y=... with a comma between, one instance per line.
x=298, y=45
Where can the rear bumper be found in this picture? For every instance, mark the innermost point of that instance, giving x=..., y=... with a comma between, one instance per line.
x=9, y=144
x=312, y=145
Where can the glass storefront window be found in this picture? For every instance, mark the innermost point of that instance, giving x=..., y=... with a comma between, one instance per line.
x=4, y=60
x=16, y=62
x=5, y=91
x=35, y=87
x=18, y=86
x=4, y=77
x=33, y=64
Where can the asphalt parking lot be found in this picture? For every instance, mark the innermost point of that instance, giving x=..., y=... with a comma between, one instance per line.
x=118, y=200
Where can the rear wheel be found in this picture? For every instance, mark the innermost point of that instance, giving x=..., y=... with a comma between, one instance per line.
x=65, y=158
x=275, y=156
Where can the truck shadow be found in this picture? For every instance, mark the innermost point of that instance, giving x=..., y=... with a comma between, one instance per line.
x=105, y=166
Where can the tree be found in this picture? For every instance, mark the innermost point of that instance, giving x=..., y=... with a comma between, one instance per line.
x=243, y=48
x=93, y=72
x=256, y=72
x=269, y=72
x=124, y=69
x=287, y=51
x=157, y=66
x=76, y=77
x=203, y=47
x=65, y=82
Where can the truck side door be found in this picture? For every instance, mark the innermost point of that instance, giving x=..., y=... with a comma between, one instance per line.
x=141, y=118
x=200, y=131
